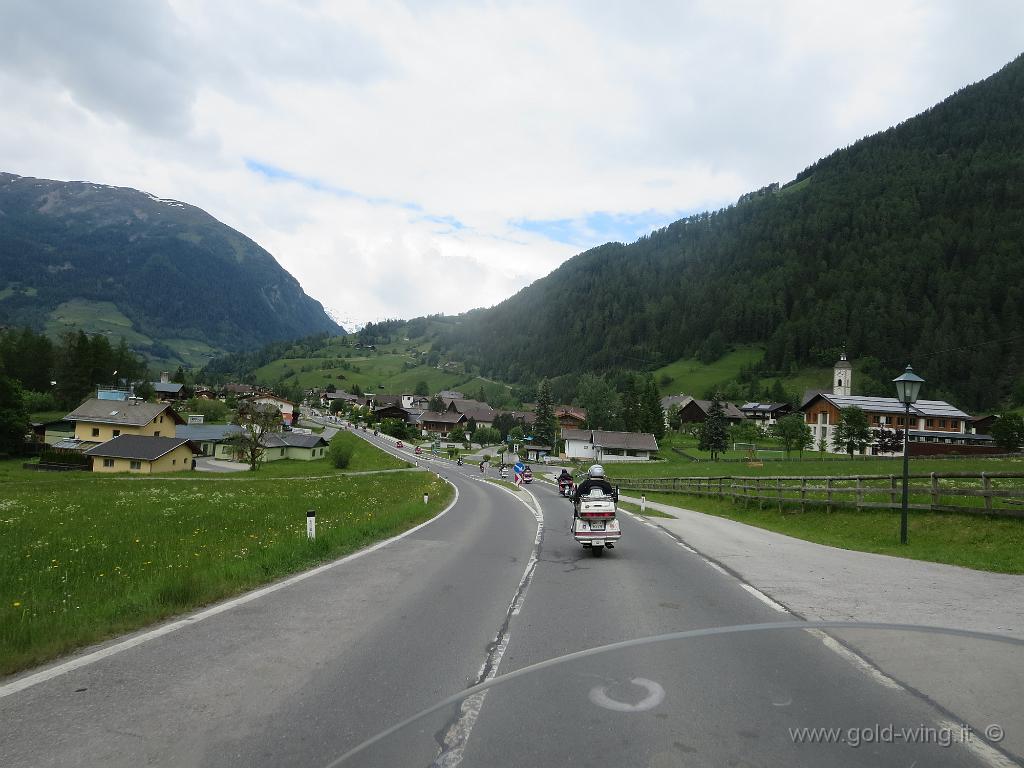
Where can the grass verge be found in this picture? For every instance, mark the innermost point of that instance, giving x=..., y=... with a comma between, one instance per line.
x=84, y=558
x=650, y=512
x=505, y=483
x=973, y=541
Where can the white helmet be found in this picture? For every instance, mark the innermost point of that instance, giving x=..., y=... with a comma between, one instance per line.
x=596, y=471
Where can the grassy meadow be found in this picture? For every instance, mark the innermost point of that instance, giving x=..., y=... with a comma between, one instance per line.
x=86, y=557
x=971, y=541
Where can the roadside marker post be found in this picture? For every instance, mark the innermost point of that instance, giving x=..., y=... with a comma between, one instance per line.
x=643, y=505
x=311, y=524
x=426, y=498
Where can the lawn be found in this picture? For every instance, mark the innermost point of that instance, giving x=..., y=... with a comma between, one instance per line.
x=649, y=512
x=85, y=557
x=972, y=541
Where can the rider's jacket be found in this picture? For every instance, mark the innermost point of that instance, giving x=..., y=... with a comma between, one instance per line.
x=590, y=483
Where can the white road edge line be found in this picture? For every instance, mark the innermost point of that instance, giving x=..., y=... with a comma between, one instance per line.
x=36, y=678
x=764, y=598
x=981, y=750
x=857, y=660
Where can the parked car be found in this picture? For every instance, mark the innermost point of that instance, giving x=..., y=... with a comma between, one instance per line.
x=419, y=450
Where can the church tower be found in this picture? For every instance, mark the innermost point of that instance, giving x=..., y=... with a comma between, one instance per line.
x=842, y=377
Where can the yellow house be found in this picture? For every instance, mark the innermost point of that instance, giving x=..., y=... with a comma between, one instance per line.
x=97, y=421
x=143, y=453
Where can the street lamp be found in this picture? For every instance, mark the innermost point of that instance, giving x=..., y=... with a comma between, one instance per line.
x=908, y=385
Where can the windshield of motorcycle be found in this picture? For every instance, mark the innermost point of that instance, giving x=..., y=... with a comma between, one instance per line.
x=788, y=694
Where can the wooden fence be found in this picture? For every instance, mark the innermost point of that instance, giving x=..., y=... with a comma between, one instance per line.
x=1000, y=493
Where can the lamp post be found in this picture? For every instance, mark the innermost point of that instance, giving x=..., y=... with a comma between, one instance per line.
x=908, y=385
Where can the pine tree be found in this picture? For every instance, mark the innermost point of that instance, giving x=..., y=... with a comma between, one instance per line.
x=545, y=428
x=631, y=411
x=713, y=434
x=653, y=418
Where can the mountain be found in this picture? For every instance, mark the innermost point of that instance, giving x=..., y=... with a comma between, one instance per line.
x=165, y=275
x=905, y=246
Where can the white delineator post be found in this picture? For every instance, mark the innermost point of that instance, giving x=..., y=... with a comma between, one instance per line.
x=643, y=505
x=426, y=497
x=311, y=524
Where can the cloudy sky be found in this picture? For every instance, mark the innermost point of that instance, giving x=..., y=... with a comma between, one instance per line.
x=409, y=158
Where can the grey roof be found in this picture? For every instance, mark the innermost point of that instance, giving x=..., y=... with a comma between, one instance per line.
x=130, y=413
x=930, y=408
x=637, y=441
x=761, y=407
x=143, y=447
x=731, y=411
x=291, y=440
x=207, y=432
x=167, y=387
x=670, y=400
x=576, y=434
x=447, y=417
x=449, y=394
x=74, y=444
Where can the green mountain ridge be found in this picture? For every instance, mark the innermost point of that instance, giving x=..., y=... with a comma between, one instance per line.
x=167, y=276
x=905, y=246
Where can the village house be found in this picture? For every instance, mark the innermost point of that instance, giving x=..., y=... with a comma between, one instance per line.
x=765, y=414
x=481, y=413
x=292, y=445
x=571, y=417
x=212, y=440
x=145, y=454
x=286, y=407
x=601, y=446
x=168, y=390
x=934, y=426
x=441, y=424
x=97, y=421
x=696, y=411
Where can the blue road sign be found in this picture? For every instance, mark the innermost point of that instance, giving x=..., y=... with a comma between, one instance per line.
x=519, y=467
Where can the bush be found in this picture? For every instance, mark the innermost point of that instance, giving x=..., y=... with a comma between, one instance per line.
x=340, y=453
x=40, y=401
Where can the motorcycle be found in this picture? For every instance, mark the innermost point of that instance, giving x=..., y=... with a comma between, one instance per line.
x=594, y=524
x=459, y=462
x=566, y=487
x=528, y=475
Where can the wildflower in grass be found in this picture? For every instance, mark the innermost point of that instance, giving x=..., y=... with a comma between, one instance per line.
x=17, y=604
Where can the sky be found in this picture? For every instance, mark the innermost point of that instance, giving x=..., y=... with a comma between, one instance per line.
x=410, y=158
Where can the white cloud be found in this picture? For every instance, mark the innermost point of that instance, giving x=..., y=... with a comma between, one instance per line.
x=437, y=154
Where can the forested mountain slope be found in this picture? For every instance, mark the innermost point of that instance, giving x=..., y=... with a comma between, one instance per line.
x=162, y=269
x=908, y=245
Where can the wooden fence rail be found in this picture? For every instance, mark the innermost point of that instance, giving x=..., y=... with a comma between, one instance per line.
x=1001, y=493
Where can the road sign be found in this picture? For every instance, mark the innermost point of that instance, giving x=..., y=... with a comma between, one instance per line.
x=519, y=467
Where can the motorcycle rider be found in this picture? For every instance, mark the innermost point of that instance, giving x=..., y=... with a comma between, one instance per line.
x=564, y=479
x=595, y=479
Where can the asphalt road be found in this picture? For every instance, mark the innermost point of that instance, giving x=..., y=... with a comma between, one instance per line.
x=301, y=675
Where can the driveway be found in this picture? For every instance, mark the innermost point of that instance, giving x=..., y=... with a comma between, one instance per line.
x=206, y=464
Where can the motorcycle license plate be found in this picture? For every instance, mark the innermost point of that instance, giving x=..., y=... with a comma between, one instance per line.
x=595, y=526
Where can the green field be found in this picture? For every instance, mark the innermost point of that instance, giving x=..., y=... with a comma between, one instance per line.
x=971, y=541
x=85, y=557
x=692, y=377
x=101, y=317
x=192, y=352
x=391, y=369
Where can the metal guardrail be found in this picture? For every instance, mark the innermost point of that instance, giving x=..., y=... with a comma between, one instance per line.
x=1000, y=493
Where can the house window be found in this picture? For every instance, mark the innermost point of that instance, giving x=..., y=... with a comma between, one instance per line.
x=942, y=423
x=108, y=462
x=282, y=451
x=95, y=432
x=161, y=419
x=174, y=461
x=135, y=464
x=157, y=433
x=117, y=432
x=929, y=422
